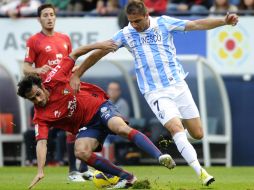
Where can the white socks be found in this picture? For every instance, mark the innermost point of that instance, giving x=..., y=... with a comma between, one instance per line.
x=187, y=151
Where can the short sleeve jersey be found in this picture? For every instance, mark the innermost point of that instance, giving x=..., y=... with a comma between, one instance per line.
x=64, y=109
x=47, y=50
x=156, y=64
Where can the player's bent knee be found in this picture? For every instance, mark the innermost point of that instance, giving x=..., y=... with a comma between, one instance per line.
x=198, y=135
x=124, y=131
x=83, y=154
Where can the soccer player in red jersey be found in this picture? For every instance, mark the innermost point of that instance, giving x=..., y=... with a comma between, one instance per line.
x=45, y=50
x=88, y=114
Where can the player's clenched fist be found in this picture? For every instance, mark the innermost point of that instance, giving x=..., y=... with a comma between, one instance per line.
x=44, y=69
x=231, y=19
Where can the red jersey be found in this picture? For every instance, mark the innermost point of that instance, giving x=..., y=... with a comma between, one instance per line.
x=65, y=110
x=47, y=50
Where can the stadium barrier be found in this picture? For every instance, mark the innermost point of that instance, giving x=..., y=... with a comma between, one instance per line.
x=12, y=118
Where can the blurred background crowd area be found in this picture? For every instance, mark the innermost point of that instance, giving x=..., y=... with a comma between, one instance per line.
x=24, y=8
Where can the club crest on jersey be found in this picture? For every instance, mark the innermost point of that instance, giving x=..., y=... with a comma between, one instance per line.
x=48, y=48
x=104, y=109
x=66, y=91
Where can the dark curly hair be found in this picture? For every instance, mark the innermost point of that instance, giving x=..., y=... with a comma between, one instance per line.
x=25, y=85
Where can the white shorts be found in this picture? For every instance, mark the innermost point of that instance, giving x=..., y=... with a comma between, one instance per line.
x=173, y=101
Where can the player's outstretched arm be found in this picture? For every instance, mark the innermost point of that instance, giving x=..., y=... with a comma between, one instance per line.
x=41, y=151
x=210, y=23
x=105, y=45
x=84, y=66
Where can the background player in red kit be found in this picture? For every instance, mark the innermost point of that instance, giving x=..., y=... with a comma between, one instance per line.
x=45, y=50
x=87, y=113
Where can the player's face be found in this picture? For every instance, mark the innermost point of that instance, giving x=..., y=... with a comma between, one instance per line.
x=38, y=96
x=139, y=22
x=113, y=91
x=47, y=19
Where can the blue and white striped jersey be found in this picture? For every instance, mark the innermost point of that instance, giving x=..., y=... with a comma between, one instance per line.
x=156, y=64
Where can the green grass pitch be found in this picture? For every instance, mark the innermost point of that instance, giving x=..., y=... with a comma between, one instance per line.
x=180, y=178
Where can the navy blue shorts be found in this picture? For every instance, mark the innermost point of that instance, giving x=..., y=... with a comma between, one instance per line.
x=97, y=128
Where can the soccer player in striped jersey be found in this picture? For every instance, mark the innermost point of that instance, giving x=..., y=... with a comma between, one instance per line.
x=160, y=75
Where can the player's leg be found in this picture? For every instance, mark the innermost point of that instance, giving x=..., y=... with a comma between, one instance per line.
x=190, y=115
x=174, y=126
x=86, y=173
x=194, y=130
x=74, y=175
x=187, y=150
x=112, y=119
x=30, y=147
x=166, y=105
x=60, y=141
x=51, y=146
x=118, y=126
x=91, y=140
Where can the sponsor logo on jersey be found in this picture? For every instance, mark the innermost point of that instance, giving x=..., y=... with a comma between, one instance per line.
x=72, y=105
x=57, y=113
x=48, y=48
x=145, y=39
x=56, y=61
x=52, y=73
x=151, y=38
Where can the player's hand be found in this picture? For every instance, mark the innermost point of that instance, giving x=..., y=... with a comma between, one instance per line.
x=36, y=179
x=75, y=68
x=231, y=19
x=108, y=45
x=44, y=69
x=75, y=83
